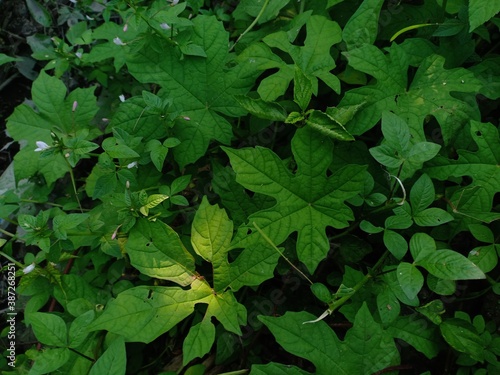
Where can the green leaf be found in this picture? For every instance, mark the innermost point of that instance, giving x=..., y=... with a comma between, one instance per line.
x=143, y=313
x=368, y=227
x=113, y=361
x=463, y=337
x=179, y=184
x=276, y=369
x=156, y=250
x=313, y=59
x=4, y=59
x=410, y=279
x=362, y=27
x=395, y=243
x=397, y=153
x=324, y=124
x=421, y=245
x=262, y=109
x=321, y=292
x=432, y=217
x=481, y=165
x=198, y=341
x=450, y=265
x=422, y=194
x=480, y=12
x=306, y=202
x=482, y=233
x=227, y=310
x=366, y=349
x=49, y=360
x=49, y=329
x=433, y=311
x=485, y=257
x=211, y=236
x=411, y=101
x=388, y=305
x=39, y=13
x=199, y=87
x=418, y=333
x=302, y=89
x=78, y=331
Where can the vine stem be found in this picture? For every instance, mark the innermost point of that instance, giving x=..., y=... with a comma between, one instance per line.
x=338, y=303
x=280, y=253
x=72, y=176
x=20, y=265
x=264, y=6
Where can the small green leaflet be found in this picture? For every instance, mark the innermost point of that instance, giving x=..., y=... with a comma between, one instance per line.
x=307, y=201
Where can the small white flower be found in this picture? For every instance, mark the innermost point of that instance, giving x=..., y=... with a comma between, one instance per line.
x=89, y=18
x=173, y=2
x=29, y=268
x=132, y=165
x=72, y=1
x=118, y=42
x=125, y=28
x=115, y=233
x=78, y=54
x=41, y=146
x=165, y=26
x=75, y=105
x=122, y=98
x=105, y=120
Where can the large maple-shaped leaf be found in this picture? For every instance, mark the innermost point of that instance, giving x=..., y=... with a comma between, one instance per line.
x=429, y=93
x=307, y=201
x=483, y=166
x=200, y=87
x=366, y=349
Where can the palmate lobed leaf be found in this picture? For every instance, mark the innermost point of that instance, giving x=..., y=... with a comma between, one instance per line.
x=199, y=87
x=143, y=313
x=307, y=201
x=428, y=93
x=366, y=348
x=481, y=165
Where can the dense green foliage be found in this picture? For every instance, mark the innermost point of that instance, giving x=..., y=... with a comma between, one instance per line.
x=258, y=186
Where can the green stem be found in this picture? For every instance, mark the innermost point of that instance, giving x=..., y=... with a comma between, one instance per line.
x=72, y=176
x=40, y=202
x=20, y=265
x=302, y=6
x=238, y=372
x=264, y=6
x=280, y=253
x=3, y=231
x=338, y=303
